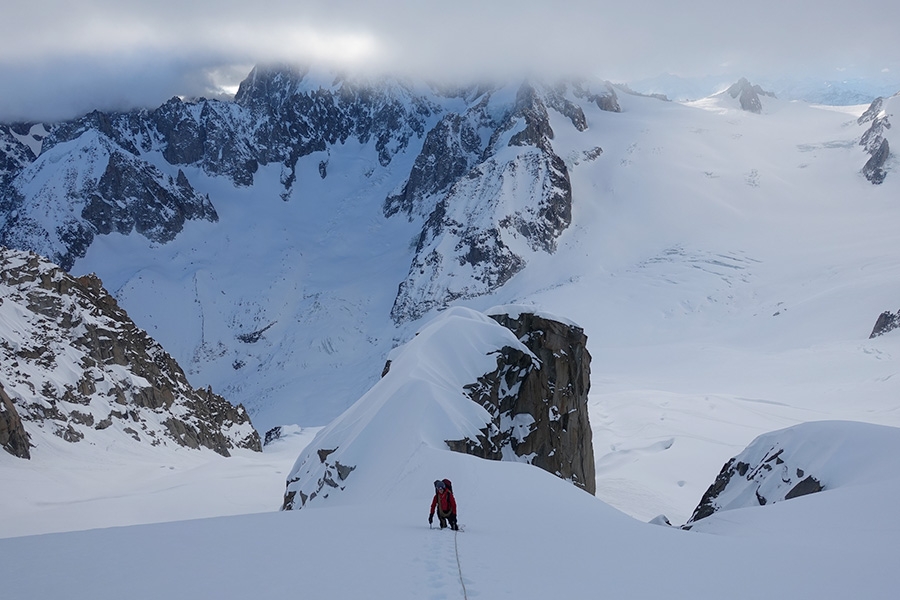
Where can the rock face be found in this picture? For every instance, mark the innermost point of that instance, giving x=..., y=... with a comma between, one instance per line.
x=91, y=185
x=887, y=321
x=75, y=366
x=15, y=154
x=13, y=437
x=775, y=467
x=875, y=140
x=748, y=95
x=538, y=407
x=494, y=192
x=102, y=173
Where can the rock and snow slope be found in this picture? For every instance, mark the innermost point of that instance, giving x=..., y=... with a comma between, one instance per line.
x=801, y=460
x=73, y=366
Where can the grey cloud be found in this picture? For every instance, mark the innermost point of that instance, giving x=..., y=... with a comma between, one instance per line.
x=60, y=58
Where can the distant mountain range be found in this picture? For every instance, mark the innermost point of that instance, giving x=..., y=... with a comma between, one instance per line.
x=847, y=91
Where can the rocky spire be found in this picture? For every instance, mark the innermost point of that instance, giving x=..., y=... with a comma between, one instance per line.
x=538, y=407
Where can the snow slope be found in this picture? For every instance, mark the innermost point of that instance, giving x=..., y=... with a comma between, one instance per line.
x=527, y=535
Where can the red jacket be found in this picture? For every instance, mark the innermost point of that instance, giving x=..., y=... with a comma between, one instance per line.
x=448, y=503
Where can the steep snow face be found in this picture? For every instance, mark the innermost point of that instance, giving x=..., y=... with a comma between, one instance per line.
x=419, y=404
x=516, y=200
x=76, y=367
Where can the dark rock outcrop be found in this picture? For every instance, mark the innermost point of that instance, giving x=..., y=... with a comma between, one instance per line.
x=538, y=408
x=748, y=94
x=13, y=437
x=514, y=390
x=78, y=365
x=886, y=321
x=451, y=149
x=874, y=140
x=14, y=156
x=605, y=98
x=874, y=167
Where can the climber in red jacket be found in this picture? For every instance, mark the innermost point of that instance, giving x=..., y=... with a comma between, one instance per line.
x=445, y=504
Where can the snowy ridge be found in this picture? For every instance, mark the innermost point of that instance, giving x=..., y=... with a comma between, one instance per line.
x=418, y=405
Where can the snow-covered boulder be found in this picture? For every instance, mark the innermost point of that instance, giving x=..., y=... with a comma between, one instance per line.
x=804, y=459
x=457, y=380
x=76, y=367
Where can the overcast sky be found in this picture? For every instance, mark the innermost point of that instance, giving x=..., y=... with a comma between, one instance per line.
x=60, y=58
